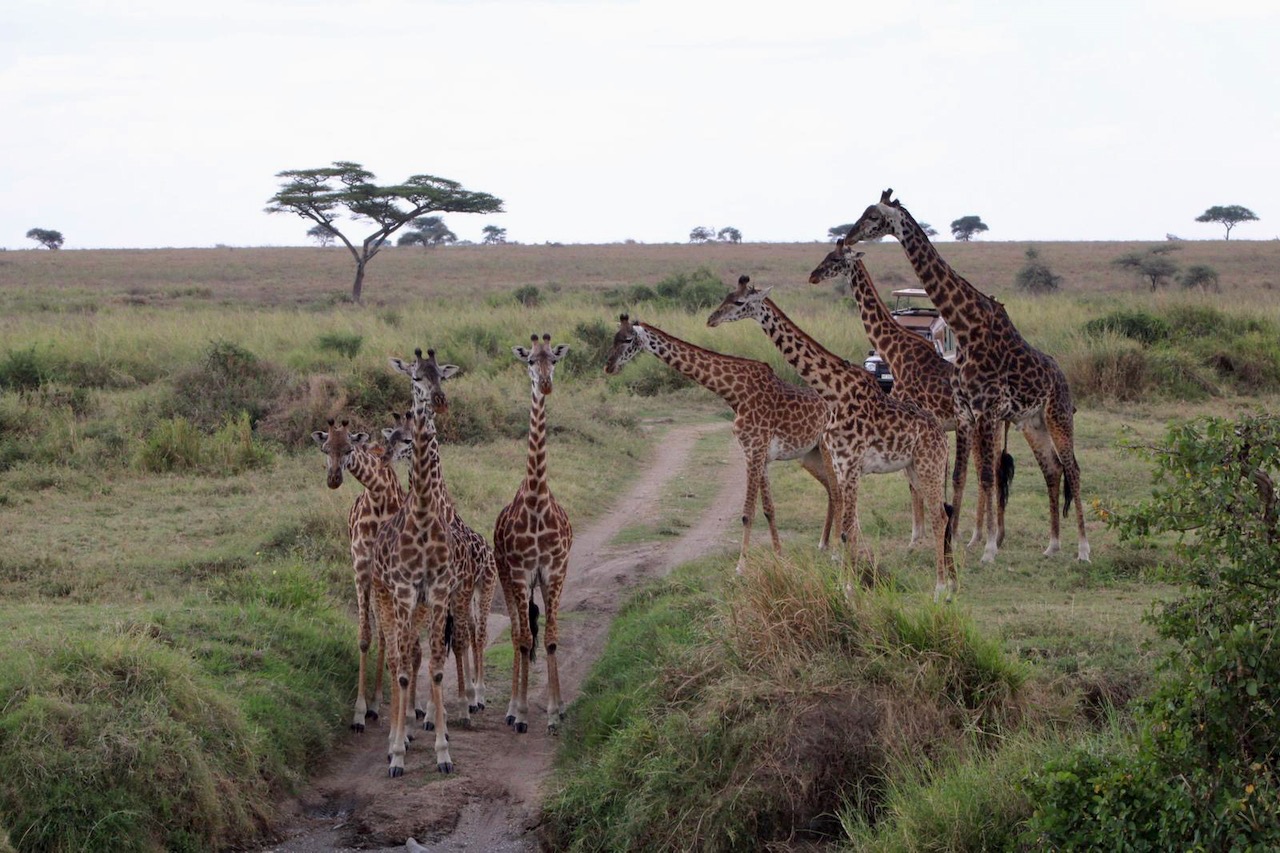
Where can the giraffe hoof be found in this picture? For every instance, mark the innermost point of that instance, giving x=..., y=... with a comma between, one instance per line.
x=445, y=767
x=479, y=706
x=371, y=715
x=358, y=728
x=521, y=728
x=395, y=772
x=511, y=719
x=429, y=726
x=474, y=709
x=418, y=713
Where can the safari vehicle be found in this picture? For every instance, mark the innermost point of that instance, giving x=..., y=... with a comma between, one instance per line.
x=913, y=310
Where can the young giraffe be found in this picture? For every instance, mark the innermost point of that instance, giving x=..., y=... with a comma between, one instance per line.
x=414, y=579
x=382, y=497
x=531, y=541
x=772, y=419
x=920, y=374
x=999, y=376
x=866, y=432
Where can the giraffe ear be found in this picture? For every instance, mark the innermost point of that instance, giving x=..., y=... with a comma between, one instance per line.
x=840, y=244
x=397, y=364
x=559, y=351
x=387, y=433
x=764, y=294
x=521, y=353
x=359, y=438
x=448, y=371
x=320, y=437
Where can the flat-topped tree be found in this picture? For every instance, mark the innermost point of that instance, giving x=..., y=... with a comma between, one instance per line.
x=323, y=194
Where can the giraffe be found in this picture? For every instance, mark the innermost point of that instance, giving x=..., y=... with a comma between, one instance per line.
x=531, y=541
x=920, y=374
x=772, y=419
x=414, y=579
x=381, y=499
x=866, y=431
x=999, y=376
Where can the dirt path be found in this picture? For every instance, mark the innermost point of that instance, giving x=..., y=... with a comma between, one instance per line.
x=492, y=800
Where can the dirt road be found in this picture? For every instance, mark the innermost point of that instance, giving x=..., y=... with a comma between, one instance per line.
x=492, y=800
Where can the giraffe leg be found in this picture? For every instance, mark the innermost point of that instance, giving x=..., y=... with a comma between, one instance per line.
x=959, y=472
x=482, y=625
x=551, y=598
x=462, y=640
x=1042, y=448
x=414, y=711
x=766, y=503
x=379, y=668
x=749, y=509
x=439, y=606
x=365, y=627
x=980, y=514
x=401, y=659
x=850, y=530
x=917, y=514
x=987, y=450
x=817, y=464
x=1059, y=417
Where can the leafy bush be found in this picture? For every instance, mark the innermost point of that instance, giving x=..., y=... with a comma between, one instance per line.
x=1138, y=325
x=21, y=370
x=587, y=354
x=178, y=445
x=1202, y=277
x=529, y=296
x=694, y=292
x=1205, y=771
x=343, y=343
x=1036, y=276
x=229, y=380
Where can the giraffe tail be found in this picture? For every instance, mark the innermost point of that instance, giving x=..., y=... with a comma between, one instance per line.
x=1067, y=495
x=533, y=630
x=951, y=526
x=448, y=634
x=1004, y=480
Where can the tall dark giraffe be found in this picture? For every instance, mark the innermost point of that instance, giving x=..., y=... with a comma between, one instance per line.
x=999, y=376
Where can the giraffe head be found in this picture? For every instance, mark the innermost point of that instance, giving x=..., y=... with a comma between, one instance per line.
x=742, y=303
x=627, y=342
x=884, y=218
x=541, y=360
x=338, y=445
x=398, y=439
x=838, y=262
x=427, y=376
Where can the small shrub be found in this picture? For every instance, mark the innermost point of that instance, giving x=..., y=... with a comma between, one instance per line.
x=1138, y=325
x=529, y=296
x=589, y=351
x=1201, y=277
x=343, y=343
x=373, y=391
x=229, y=380
x=232, y=448
x=21, y=370
x=1036, y=276
x=174, y=445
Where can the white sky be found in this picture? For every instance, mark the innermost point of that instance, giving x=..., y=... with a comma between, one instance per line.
x=148, y=123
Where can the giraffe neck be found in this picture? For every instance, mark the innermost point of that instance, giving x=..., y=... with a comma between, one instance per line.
x=535, y=477
x=964, y=308
x=895, y=344
x=827, y=373
x=714, y=371
x=375, y=473
x=427, y=496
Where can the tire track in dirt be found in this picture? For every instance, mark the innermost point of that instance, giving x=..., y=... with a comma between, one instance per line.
x=492, y=802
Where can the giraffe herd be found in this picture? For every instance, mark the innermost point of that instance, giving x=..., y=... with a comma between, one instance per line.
x=418, y=566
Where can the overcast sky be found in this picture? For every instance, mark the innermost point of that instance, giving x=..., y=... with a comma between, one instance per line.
x=148, y=123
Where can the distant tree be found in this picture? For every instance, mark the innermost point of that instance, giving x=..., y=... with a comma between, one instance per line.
x=493, y=234
x=966, y=228
x=1230, y=215
x=702, y=234
x=1152, y=265
x=322, y=234
x=839, y=232
x=729, y=235
x=45, y=237
x=427, y=231
x=1202, y=277
x=930, y=231
x=1036, y=277
x=322, y=194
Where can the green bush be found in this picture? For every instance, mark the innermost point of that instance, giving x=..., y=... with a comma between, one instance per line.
x=177, y=445
x=529, y=295
x=228, y=381
x=21, y=370
x=1205, y=771
x=1138, y=325
x=589, y=350
x=343, y=343
x=1035, y=276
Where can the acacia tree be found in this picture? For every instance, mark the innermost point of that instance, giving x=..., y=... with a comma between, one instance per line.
x=46, y=237
x=1154, y=265
x=494, y=234
x=322, y=234
x=966, y=228
x=729, y=234
x=702, y=234
x=427, y=231
x=1229, y=215
x=323, y=194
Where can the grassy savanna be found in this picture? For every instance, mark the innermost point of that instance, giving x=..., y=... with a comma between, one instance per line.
x=174, y=573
